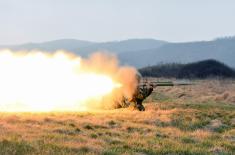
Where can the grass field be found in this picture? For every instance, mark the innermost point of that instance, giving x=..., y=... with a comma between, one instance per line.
x=198, y=119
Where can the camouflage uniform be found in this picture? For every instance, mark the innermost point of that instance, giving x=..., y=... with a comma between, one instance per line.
x=141, y=94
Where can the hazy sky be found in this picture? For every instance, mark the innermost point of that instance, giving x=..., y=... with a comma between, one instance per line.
x=104, y=20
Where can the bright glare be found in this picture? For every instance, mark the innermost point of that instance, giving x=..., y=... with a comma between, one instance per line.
x=42, y=82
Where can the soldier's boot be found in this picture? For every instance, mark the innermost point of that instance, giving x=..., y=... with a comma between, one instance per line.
x=140, y=107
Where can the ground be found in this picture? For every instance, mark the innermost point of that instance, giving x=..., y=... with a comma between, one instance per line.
x=197, y=119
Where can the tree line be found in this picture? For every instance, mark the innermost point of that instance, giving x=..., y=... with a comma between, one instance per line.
x=200, y=70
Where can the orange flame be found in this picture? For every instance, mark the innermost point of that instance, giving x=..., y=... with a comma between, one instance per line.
x=42, y=82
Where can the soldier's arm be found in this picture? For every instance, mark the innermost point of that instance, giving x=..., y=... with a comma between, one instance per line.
x=150, y=90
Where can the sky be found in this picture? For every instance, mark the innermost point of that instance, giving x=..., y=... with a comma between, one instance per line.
x=106, y=20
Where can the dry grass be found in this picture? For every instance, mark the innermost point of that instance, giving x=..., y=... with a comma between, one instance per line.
x=201, y=91
x=170, y=125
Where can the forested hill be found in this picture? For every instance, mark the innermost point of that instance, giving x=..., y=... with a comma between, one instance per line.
x=201, y=70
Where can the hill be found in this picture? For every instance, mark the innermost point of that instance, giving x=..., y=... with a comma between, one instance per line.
x=220, y=49
x=202, y=69
x=145, y=52
x=65, y=44
x=85, y=48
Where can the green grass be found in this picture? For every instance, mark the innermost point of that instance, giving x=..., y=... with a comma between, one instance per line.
x=158, y=97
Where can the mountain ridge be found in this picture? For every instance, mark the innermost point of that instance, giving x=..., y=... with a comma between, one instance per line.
x=144, y=52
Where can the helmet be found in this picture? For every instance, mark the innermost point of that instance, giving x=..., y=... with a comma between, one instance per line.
x=138, y=76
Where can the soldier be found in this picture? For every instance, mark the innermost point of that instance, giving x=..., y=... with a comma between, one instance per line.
x=141, y=93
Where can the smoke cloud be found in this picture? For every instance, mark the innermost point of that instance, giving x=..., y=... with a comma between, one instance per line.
x=62, y=81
